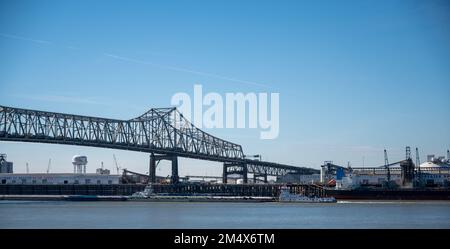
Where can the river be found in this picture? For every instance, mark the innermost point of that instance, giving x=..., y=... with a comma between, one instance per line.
x=344, y=214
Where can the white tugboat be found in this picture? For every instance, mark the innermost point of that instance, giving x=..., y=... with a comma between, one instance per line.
x=286, y=196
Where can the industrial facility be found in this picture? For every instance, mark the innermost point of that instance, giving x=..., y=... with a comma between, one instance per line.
x=435, y=172
x=79, y=176
x=58, y=178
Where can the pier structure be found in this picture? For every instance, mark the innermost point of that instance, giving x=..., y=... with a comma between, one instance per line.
x=261, y=190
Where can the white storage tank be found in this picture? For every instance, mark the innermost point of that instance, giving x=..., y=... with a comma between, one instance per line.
x=79, y=164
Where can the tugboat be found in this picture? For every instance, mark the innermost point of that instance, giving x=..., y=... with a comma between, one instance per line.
x=286, y=196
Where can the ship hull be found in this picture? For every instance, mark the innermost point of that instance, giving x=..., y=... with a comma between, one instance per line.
x=389, y=194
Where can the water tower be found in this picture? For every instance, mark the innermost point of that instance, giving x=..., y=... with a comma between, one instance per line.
x=79, y=164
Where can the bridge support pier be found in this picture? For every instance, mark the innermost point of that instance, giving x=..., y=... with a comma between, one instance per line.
x=175, y=178
x=235, y=168
x=245, y=173
x=224, y=174
x=152, y=168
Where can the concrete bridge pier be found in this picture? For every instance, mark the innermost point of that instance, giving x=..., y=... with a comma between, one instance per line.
x=224, y=174
x=152, y=167
x=230, y=168
x=175, y=178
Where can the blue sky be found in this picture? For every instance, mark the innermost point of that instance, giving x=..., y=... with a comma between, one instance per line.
x=354, y=77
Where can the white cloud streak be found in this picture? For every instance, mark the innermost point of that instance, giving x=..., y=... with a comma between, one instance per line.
x=25, y=39
x=186, y=70
x=122, y=58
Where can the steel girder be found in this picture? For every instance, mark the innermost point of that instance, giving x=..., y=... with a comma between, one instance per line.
x=162, y=130
x=268, y=168
x=275, y=169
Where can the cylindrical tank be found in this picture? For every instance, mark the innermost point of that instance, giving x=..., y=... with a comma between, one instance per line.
x=322, y=174
x=79, y=164
x=79, y=160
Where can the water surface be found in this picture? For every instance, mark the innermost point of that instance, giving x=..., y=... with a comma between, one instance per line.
x=349, y=214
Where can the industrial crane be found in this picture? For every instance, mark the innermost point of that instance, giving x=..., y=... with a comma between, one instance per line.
x=117, y=165
x=48, y=165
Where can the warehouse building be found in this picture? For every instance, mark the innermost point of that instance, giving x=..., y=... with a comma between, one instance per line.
x=58, y=178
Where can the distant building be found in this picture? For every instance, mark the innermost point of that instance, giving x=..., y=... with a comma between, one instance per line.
x=5, y=166
x=102, y=171
x=298, y=178
x=58, y=178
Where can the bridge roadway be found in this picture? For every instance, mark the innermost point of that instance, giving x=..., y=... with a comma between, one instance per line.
x=162, y=132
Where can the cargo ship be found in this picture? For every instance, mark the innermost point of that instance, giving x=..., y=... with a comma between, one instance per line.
x=389, y=194
x=429, y=180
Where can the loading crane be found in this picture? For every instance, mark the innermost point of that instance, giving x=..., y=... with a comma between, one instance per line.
x=48, y=165
x=117, y=165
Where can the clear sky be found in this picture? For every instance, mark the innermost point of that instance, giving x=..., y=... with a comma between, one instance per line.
x=354, y=77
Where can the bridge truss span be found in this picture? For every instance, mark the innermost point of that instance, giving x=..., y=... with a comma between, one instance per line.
x=160, y=130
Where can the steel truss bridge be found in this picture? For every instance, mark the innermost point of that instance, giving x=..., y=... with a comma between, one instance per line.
x=162, y=132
